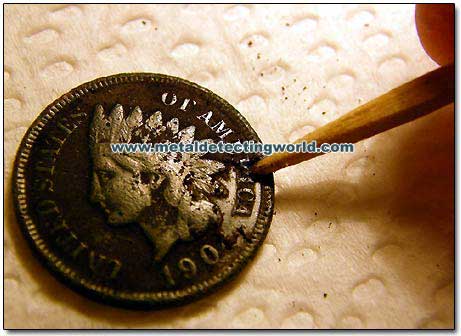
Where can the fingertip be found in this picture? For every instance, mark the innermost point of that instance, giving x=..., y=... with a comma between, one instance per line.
x=435, y=27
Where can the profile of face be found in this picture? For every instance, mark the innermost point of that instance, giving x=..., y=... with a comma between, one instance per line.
x=169, y=196
x=119, y=191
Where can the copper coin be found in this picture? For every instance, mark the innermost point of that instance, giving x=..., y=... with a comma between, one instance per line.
x=137, y=230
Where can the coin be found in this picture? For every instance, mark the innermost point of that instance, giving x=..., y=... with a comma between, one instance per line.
x=137, y=230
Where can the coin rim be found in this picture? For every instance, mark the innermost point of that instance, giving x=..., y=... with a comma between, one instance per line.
x=106, y=294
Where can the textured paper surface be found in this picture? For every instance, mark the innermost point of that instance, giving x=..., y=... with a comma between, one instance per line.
x=361, y=240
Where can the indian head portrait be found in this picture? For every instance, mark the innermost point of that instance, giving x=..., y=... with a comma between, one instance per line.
x=170, y=195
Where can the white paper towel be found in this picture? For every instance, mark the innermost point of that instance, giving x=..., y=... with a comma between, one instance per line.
x=361, y=240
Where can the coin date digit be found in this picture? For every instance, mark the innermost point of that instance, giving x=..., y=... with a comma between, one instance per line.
x=188, y=268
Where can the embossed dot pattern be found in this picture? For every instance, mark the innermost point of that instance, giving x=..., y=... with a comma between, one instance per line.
x=350, y=246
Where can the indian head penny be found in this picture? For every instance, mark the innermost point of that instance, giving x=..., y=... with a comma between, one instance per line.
x=140, y=230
